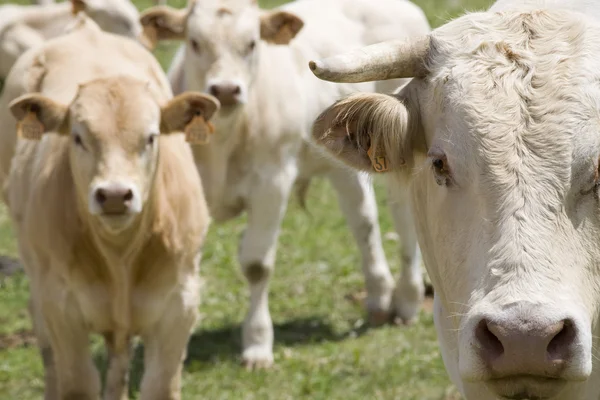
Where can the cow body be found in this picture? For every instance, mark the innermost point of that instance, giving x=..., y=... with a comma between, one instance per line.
x=23, y=27
x=110, y=218
x=499, y=134
x=260, y=149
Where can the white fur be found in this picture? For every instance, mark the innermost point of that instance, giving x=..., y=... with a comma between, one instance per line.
x=510, y=233
x=259, y=150
x=24, y=27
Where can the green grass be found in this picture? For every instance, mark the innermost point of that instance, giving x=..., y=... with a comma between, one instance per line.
x=322, y=347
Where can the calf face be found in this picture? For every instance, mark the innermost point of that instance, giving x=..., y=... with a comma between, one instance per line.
x=223, y=40
x=115, y=16
x=114, y=128
x=499, y=131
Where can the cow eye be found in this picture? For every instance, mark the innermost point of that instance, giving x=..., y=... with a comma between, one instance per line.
x=251, y=46
x=151, y=139
x=77, y=140
x=439, y=164
x=595, y=188
x=195, y=46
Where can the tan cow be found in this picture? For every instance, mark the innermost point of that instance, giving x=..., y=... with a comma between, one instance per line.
x=23, y=27
x=107, y=206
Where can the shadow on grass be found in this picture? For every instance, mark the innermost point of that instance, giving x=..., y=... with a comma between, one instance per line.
x=210, y=346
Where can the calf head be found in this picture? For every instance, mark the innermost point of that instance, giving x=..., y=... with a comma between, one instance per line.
x=223, y=40
x=499, y=131
x=115, y=16
x=114, y=128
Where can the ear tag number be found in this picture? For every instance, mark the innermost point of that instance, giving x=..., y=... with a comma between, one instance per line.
x=30, y=127
x=379, y=162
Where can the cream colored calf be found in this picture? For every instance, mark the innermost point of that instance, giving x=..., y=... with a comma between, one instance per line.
x=108, y=209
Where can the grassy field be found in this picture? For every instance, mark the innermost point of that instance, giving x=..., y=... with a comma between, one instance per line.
x=323, y=349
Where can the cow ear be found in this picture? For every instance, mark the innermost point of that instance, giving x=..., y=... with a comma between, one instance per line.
x=37, y=115
x=163, y=23
x=279, y=27
x=369, y=132
x=77, y=6
x=190, y=112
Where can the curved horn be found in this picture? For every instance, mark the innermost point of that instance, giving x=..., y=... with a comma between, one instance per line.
x=386, y=60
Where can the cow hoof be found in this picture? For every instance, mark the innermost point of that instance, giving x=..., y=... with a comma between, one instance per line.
x=407, y=301
x=379, y=317
x=256, y=357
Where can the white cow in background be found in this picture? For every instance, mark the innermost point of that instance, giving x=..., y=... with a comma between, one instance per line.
x=254, y=62
x=24, y=27
x=499, y=133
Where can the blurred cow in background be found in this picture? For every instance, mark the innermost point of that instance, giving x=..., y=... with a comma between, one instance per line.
x=254, y=62
x=24, y=27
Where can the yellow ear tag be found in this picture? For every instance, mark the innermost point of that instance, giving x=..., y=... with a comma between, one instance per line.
x=379, y=162
x=198, y=130
x=30, y=127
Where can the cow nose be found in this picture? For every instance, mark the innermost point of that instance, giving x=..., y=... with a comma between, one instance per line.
x=524, y=347
x=227, y=93
x=114, y=199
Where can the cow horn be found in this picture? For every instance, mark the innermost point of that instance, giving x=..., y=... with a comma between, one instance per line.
x=386, y=60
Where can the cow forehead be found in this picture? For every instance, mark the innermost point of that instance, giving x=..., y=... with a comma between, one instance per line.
x=116, y=109
x=224, y=22
x=519, y=93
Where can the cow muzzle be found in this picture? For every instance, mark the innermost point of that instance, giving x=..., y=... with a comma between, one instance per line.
x=525, y=350
x=114, y=199
x=229, y=93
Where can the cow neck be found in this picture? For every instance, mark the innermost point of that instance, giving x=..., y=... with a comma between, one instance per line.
x=50, y=20
x=123, y=246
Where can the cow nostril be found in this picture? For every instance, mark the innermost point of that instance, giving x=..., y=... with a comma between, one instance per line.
x=100, y=196
x=237, y=90
x=490, y=344
x=128, y=196
x=214, y=90
x=560, y=344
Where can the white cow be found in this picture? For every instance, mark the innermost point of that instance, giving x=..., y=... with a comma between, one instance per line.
x=499, y=132
x=254, y=61
x=23, y=27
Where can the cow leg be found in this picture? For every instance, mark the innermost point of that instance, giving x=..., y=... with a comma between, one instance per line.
x=165, y=344
x=266, y=207
x=117, y=376
x=410, y=289
x=50, y=382
x=357, y=201
x=76, y=374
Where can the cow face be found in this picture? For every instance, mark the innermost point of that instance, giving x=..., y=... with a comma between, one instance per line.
x=114, y=128
x=115, y=16
x=223, y=42
x=500, y=133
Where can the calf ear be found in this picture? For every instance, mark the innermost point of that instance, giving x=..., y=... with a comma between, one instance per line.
x=77, y=6
x=369, y=132
x=279, y=27
x=37, y=114
x=163, y=23
x=190, y=113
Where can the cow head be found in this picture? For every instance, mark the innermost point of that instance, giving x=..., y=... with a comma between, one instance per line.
x=114, y=128
x=224, y=41
x=499, y=131
x=115, y=16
